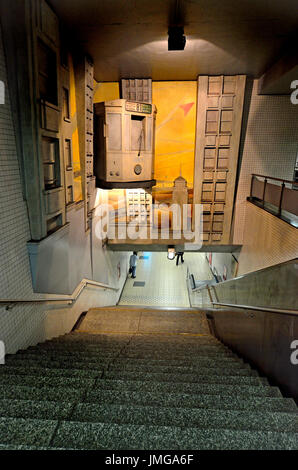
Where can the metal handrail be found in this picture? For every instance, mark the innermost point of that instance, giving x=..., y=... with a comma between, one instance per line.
x=250, y=274
x=68, y=299
x=199, y=288
x=260, y=309
x=273, y=178
x=34, y=301
x=281, y=189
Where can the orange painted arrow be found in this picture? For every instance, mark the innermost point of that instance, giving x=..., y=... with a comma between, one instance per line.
x=186, y=108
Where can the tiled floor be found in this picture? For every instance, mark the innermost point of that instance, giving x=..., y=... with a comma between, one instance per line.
x=165, y=283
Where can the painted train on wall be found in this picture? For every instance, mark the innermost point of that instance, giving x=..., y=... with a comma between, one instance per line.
x=124, y=144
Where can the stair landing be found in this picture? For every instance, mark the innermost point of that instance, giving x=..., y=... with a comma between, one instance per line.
x=142, y=320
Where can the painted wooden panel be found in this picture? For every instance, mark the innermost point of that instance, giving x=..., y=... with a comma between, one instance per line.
x=219, y=118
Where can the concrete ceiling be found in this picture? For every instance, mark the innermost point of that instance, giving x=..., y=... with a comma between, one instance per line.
x=128, y=38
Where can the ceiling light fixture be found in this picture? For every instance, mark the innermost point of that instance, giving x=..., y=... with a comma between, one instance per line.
x=177, y=40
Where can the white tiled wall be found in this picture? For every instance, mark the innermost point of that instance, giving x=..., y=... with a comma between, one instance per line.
x=270, y=147
x=19, y=325
x=268, y=240
x=28, y=324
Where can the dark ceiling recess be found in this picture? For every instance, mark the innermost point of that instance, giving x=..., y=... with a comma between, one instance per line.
x=177, y=40
x=130, y=38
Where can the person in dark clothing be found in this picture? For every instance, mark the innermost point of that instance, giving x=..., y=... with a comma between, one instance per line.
x=133, y=264
x=179, y=255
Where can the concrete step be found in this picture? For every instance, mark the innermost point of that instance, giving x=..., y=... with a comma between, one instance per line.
x=154, y=322
x=60, y=377
x=130, y=437
x=51, y=372
x=165, y=355
x=184, y=418
x=74, y=435
x=40, y=381
x=80, y=370
x=89, y=339
x=176, y=347
x=158, y=416
x=69, y=350
x=30, y=432
x=60, y=357
x=29, y=409
x=184, y=400
x=190, y=369
x=43, y=359
x=23, y=447
x=71, y=345
x=133, y=366
x=184, y=352
x=123, y=363
x=206, y=396
x=58, y=364
x=142, y=339
x=188, y=388
x=44, y=393
x=204, y=351
x=186, y=362
x=184, y=378
x=80, y=336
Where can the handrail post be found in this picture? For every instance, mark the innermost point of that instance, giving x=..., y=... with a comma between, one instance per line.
x=251, y=184
x=264, y=192
x=215, y=293
x=210, y=295
x=281, y=198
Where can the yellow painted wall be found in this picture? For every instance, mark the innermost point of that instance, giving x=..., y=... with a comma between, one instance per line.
x=175, y=131
x=78, y=192
x=106, y=91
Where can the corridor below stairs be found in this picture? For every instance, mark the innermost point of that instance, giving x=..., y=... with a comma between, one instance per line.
x=140, y=379
x=160, y=283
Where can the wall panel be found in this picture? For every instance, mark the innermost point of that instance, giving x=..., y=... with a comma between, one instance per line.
x=219, y=118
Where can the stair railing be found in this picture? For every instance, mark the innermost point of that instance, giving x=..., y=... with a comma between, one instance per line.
x=261, y=289
x=260, y=309
x=265, y=333
x=269, y=192
x=55, y=298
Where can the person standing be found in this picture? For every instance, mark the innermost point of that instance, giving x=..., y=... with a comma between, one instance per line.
x=179, y=255
x=133, y=264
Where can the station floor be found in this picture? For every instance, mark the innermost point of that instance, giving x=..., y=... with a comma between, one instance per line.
x=160, y=283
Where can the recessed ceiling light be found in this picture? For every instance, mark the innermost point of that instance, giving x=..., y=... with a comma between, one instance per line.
x=177, y=40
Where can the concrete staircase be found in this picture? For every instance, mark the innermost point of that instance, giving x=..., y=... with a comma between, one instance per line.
x=140, y=389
